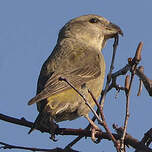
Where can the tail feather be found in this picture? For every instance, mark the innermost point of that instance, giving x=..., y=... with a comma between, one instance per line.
x=36, y=123
x=36, y=99
x=39, y=97
x=31, y=129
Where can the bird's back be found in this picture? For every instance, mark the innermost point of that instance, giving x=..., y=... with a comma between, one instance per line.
x=72, y=60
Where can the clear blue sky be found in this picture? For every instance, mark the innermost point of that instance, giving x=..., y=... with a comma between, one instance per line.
x=28, y=33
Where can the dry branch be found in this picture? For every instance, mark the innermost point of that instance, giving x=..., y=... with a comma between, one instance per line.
x=129, y=140
x=122, y=134
x=8, y=146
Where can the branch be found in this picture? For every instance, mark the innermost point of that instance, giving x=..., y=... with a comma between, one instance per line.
x=8, y=146
x=104, y=124
x=139, y=72
x=85, y=100
x=127, y=91
x=102, y=94
x=140, y=81
x=129, y=140
x=147, y=139
x=146, y=81
x=102, y=99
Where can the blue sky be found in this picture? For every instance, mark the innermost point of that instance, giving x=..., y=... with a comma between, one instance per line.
x=28, y=33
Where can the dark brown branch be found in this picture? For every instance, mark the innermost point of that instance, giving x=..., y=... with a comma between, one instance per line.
x=114, y=76
x=129, y=67
x=127, y=142
x=74, y=141
x=104, y=124
x=80, y=132
x=146, y=81
x=147, y=139
x=80, y=137
x=140, y=81
x=128, y=83
x=139, y=72
x=127, y=91
x=8, y=146
x=21, y=122
x=102, y=99
x=13, y=120
x=122, y=71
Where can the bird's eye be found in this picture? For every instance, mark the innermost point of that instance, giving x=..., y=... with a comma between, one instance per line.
x=93, y=20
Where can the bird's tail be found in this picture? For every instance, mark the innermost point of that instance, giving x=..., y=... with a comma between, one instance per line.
x=37, y=122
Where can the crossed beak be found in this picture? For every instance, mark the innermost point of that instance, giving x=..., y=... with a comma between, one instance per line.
x=112, y=30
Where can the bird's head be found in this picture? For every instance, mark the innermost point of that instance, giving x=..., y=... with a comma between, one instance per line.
x=92, y=30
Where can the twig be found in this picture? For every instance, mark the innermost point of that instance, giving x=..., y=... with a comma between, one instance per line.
x=86, y=116
x=86, y=102
x=122, y=71
x=79, y=137
x=22, y=121
x=114, y=76
x=104, y=124
x=146, y=81
x=127, y=89
x=120, y=131
x=147, y=139
x=102, y=99
x=128, y=85
x=80, y=132
x=73, y=142
x=140, y=82
x=140, y=73
x=8, y=146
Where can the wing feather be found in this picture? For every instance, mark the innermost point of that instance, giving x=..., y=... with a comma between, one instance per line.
x=76, y=71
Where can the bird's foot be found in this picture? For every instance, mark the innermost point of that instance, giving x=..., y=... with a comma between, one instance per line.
x=94, y=130
x=53, y=128
x=93, y=136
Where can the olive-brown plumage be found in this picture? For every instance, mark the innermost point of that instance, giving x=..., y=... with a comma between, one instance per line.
x=77, y=57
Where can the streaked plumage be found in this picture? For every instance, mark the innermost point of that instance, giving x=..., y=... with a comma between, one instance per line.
x=77, y=57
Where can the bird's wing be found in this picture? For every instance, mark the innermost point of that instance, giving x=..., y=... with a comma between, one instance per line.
x=76, y=69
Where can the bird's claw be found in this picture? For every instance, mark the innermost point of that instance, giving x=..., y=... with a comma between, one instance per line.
x=52, y=129
x=94, y=139
x=53, y=138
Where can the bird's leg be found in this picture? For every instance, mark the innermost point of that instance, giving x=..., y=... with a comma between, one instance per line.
x=53, y=127
x=92, y=123
x=94, y=129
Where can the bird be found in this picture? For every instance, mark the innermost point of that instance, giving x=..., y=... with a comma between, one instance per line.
x=77, y=57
